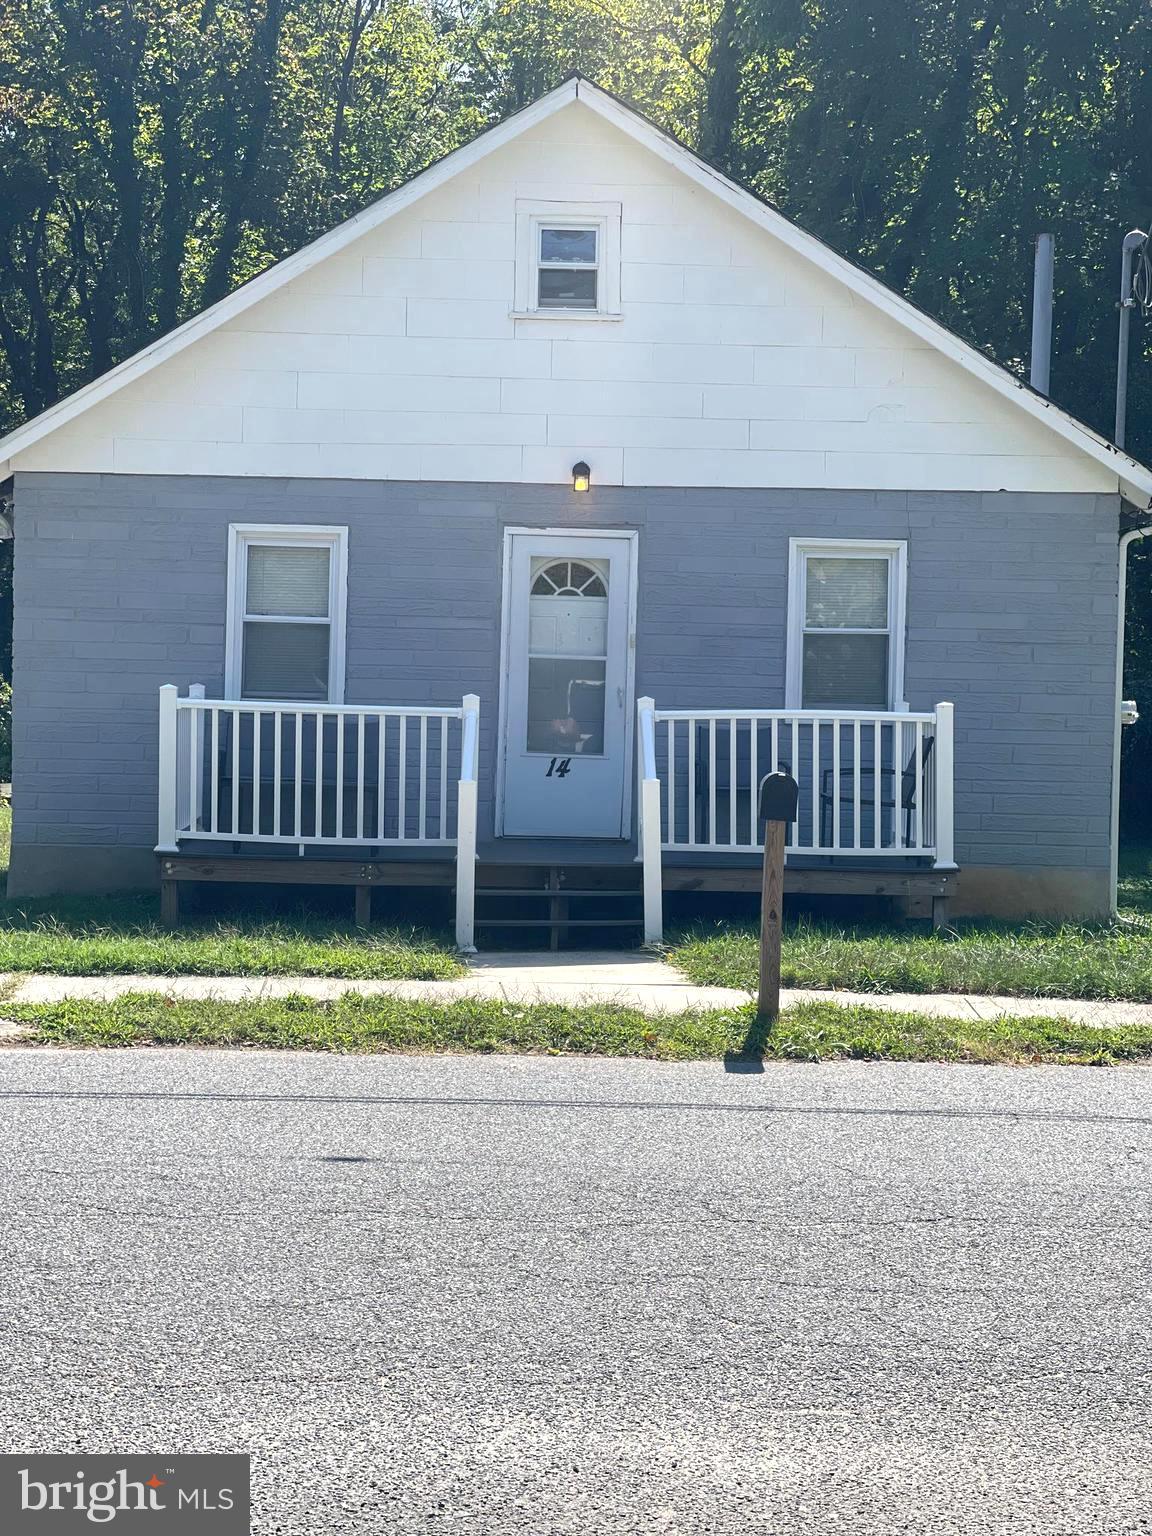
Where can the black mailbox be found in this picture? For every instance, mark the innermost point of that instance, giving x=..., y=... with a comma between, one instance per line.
x=779, y=797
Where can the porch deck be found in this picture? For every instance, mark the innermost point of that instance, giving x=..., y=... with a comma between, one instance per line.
x=304, y=793
x=550, y=872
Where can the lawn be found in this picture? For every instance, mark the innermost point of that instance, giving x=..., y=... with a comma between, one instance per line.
x=813, y=1031
x=108, y=935
x=260, y=934
x=1037, y=959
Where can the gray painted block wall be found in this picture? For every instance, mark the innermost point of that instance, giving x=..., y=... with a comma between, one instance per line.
x=120, y=586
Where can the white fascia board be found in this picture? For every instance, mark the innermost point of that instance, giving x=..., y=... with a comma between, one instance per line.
x=274, y=278
x=1134, y=479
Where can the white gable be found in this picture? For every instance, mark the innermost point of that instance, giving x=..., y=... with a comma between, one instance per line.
x=737, y=360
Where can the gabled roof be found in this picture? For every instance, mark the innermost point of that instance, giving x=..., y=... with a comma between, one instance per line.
x=1134, y=479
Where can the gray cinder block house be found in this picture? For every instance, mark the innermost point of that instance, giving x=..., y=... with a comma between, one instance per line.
x=522, y=522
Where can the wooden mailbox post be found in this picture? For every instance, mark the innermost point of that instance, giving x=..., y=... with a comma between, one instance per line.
x=779, y=797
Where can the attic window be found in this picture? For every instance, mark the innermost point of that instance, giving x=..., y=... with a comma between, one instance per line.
x=567, y=261
x=569, y=267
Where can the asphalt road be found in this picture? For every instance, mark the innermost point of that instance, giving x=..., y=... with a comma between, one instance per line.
x=504, y=1295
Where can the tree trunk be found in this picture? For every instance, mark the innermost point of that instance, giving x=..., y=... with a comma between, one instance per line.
x=722, y=92
x=947, y=136
x=263, y=76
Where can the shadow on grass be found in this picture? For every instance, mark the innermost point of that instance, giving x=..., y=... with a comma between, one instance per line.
x=749, y=1059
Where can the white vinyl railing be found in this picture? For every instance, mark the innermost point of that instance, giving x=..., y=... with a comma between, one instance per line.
x=466, y=824
x=319, y=775
x=873, y=784
x=649, y=826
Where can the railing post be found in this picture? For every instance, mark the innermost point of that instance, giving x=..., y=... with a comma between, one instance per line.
x=945, y=757
x=650, y=852
x=166, y=768
x=196, y=758
x=466, y=825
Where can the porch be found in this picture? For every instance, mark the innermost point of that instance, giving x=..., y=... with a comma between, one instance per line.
x=368, y=796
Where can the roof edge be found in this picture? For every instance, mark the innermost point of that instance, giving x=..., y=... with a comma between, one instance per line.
x=1131, y=474
x=266, y=283
x=1133, y=478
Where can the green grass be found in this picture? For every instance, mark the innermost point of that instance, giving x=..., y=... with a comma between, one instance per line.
x=5, y=835
x=815, y=1031
x=109, y=935
x=66, y=938
x=1134, y=888
x=1036, y=959
x=1025, y=960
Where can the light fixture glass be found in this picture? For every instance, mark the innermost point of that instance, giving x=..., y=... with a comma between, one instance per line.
x=581, y=476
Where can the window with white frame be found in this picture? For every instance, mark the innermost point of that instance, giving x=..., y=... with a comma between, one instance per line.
x=846, y=624
x=286, y=611
x=567, y=260
x=568, y=266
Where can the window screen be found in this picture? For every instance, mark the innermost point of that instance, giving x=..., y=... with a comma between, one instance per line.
x=846, y=638
x=567, y=656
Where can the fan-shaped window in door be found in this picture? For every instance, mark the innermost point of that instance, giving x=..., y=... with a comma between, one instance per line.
x=567, y=656
x=568, y=578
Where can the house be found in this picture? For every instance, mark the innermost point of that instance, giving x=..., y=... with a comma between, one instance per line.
x=513, y=529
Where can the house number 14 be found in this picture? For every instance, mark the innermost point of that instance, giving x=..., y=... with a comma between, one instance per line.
x=558, y=768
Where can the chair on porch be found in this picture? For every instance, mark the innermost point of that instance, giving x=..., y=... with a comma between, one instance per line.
x=719, y=782
x=911, y=785
x=337, y=800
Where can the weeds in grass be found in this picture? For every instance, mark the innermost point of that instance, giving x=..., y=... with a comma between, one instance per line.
x=1111, y=961
x=812, y=1031
x=122, y=935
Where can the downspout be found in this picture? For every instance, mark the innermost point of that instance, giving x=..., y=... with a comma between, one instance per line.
x=1121, y=614
x=1135, y=240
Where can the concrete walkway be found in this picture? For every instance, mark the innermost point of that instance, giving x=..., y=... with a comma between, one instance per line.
x=634, y=980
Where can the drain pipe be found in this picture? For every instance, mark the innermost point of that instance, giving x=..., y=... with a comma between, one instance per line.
x=1117, y=721
x=1135, y=240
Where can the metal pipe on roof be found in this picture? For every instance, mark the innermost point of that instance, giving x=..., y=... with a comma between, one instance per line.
x=1134, y=241
x=1042, y=285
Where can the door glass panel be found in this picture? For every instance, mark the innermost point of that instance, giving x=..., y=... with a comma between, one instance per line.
x=565, y=705
x=566, y=578
x=558, y=627
x=567, y=655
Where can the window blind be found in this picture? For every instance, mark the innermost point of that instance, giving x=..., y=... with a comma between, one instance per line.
x=846, y=593
x=286, y=579
x=285, y=661
x=845, y=671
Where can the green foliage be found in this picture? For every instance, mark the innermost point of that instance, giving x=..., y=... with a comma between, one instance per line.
x=816, y=1031
x=157, y=155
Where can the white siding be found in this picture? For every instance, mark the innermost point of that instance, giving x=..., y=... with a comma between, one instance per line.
x=736, y=362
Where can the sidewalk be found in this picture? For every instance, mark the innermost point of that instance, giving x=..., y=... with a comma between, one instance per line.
x=632, y=980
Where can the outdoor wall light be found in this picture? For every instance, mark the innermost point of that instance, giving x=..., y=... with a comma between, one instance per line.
x=581, y=476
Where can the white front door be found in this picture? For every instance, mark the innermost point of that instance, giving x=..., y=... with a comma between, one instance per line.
x=567, y=686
